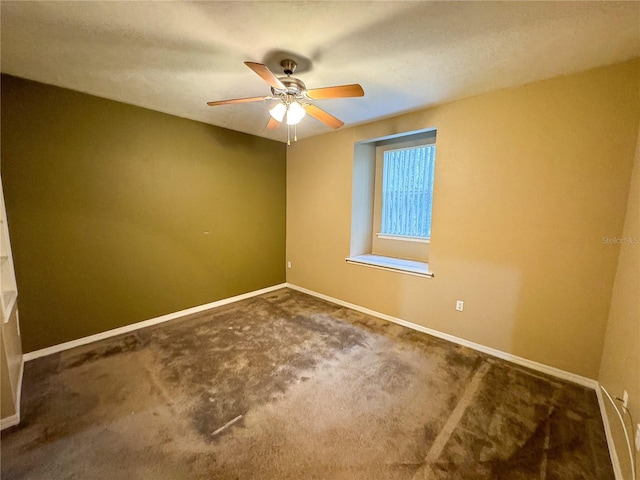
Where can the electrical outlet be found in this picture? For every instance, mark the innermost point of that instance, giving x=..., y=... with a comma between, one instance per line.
x=288, y=264
x=638, y=437
x=459, y=305
x=625, y=399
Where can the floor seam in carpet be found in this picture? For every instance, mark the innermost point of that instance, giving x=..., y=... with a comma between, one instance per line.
x=454, y=419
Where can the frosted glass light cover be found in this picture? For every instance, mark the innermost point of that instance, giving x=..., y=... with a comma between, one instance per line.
x=295, y=114
x=278, y=111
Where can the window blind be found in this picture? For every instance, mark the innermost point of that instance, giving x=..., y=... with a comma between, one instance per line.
x=407, y=191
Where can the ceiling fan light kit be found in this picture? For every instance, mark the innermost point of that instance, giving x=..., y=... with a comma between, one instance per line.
x=295, y=113
x=294, y=99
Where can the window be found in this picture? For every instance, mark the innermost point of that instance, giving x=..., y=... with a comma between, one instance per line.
x=407, y=192
x=393, y=180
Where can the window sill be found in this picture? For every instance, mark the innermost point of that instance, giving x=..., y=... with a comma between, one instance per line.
x=403, y=238
x=409, y=267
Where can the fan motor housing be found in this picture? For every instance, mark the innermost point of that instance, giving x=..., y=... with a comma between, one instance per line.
x=295, y=86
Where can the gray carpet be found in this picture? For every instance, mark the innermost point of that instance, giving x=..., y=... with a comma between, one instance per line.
x=286, y=386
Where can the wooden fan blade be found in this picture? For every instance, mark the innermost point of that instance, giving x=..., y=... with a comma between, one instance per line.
x=266, y=75
x=323, y=116
x=237, y=100
x=273, y=124
x=341, y=91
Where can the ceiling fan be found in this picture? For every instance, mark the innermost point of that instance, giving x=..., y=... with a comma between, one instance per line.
x=294, y=99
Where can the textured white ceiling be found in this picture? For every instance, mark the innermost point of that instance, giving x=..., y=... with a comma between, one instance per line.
x=175, y=56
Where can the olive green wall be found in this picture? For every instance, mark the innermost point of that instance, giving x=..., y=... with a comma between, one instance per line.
x=108, y=205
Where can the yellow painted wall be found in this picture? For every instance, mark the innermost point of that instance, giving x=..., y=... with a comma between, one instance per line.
x=119, y=214
x=528, y=181
x=620, y=369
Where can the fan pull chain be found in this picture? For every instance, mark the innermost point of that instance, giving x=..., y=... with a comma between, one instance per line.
x=295, y=132
x=288, y=135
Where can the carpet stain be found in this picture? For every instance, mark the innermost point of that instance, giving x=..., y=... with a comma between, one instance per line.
x=287, y=386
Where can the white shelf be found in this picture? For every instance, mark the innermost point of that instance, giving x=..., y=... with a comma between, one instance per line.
x=8, y=289
x=9, y=298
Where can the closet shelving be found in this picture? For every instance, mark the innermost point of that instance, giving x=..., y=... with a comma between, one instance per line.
x=8, y=289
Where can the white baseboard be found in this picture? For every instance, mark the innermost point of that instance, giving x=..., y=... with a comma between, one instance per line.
x=9, y=421
x=146, y=323
x=540, y=367
x=615, y=461
x=556, y=372
x=15, y=418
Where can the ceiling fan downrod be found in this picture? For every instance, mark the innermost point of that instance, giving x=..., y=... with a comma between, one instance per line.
x=289, y=66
